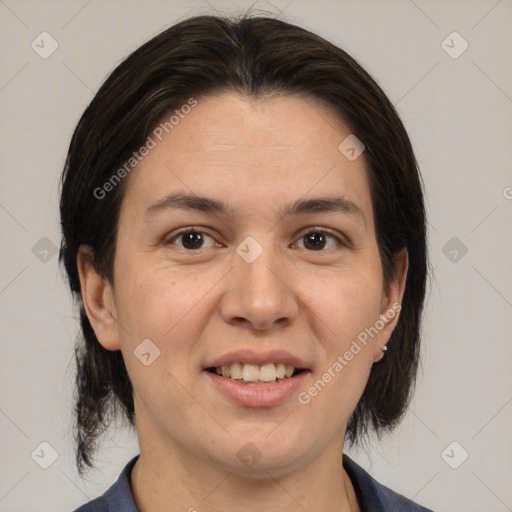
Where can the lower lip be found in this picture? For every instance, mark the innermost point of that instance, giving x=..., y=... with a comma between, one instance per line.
x=252, y=395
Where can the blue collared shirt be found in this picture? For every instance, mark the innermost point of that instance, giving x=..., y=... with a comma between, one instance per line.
x=371, y=496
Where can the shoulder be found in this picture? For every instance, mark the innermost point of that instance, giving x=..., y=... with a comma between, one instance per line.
x=117, y=498
x=373, y=496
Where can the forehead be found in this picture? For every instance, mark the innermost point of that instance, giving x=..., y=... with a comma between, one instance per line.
x=282, y=125
x=252, y=153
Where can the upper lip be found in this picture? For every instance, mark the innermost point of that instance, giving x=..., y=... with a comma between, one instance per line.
x=257, y=358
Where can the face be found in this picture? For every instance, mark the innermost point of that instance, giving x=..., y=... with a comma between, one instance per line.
x=257, y=282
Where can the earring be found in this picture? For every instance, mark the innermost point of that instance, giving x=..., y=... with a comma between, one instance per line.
x=384, y=348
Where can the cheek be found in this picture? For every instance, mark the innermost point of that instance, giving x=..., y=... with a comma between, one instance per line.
x=344, y=311
x=347, y=303
x=165, y=307
x=153, y=299
x=171, y=306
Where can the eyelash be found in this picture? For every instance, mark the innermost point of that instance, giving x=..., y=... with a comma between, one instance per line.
x=340, y=242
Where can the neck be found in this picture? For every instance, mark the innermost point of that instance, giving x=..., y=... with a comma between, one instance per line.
x=171, y=480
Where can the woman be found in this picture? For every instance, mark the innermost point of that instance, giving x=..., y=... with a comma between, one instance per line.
x=243, y=225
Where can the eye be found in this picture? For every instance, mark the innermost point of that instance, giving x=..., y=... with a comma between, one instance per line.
x=191, y=239
x=316, y=239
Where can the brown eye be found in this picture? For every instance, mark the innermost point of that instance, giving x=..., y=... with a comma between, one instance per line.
x=190, y=239
x=317, y=239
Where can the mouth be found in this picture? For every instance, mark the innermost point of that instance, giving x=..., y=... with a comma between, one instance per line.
x=252, y=385
x=259, y=375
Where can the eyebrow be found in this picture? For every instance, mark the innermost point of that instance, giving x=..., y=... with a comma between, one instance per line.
x=180, y=201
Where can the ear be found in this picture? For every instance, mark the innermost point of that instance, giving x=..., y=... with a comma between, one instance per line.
x=392, y=303
x=98, y=299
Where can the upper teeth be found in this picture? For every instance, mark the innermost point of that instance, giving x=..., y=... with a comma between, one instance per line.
x=253, y=372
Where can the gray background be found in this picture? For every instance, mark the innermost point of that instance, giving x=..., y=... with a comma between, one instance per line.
x=458, y=113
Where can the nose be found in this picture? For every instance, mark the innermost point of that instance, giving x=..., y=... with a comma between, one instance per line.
x=260, y=295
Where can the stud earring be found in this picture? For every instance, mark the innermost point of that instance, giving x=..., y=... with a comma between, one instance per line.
x=384, y=348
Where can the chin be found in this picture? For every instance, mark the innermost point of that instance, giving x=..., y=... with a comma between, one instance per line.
x=257, y=450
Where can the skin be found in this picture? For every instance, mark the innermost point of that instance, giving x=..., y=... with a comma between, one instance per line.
x=197, y=304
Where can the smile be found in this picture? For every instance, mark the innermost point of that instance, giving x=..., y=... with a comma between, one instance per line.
x=256, y=374
x=250, y=390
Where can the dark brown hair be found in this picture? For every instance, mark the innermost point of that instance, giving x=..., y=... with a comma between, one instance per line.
x=257, y=57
